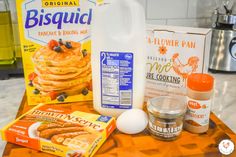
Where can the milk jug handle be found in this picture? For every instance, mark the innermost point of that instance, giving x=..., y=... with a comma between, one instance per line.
x=136, y=13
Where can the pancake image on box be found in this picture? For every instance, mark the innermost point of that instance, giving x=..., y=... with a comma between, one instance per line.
x=62, y=69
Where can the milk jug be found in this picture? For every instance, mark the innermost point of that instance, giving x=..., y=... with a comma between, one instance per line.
x=118, y=57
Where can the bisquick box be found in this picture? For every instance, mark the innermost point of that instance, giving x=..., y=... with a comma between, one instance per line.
x=56, y=49
x=58, y=130
x=172, y=54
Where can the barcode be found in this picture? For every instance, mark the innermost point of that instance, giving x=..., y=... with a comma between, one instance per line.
x=125, y=97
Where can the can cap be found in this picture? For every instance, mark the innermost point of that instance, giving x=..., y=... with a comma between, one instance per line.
x=200, y=82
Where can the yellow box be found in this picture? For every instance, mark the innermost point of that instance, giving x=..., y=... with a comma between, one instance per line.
x=56, y=49
x=59, y=131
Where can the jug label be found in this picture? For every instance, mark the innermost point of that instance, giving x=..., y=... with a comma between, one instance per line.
x=116, y=79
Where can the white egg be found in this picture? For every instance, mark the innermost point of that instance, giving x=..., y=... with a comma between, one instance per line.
x=132, y=121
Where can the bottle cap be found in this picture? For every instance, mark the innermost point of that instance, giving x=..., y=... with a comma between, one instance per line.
x=167, y=107
x=200, y=82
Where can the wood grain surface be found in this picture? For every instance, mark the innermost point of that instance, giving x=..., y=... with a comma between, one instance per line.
x=143, y=145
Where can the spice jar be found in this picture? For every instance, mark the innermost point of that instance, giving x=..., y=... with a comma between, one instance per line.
x=199, y=93
x=166, y=116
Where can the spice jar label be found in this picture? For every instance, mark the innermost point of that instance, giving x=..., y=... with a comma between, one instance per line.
x=198, y=112
x=170, y=130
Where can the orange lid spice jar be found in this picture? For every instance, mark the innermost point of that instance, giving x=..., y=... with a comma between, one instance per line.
x=199, y=93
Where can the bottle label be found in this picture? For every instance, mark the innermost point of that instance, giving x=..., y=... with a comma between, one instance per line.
x=116, y=79
x=165, y=129
x=198, y=112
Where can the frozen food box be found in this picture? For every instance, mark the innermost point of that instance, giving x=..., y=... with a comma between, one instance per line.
x=56, y=49
x=172, y=54
x=59, y=131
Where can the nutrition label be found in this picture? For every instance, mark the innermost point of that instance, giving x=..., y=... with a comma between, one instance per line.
x=116, y=80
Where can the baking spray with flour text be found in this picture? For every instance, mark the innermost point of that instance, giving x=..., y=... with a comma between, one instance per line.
x=119, y=57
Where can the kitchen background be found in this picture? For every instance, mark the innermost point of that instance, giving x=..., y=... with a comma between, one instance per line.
x=196, y=13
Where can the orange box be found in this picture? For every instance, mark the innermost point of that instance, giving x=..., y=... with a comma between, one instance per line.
x=59, y=131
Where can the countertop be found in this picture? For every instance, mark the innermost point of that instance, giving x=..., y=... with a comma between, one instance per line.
x=224, y=100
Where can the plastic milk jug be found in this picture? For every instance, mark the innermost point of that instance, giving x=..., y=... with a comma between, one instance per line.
x=118, y=57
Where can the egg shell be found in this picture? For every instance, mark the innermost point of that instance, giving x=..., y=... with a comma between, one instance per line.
x=132, y=121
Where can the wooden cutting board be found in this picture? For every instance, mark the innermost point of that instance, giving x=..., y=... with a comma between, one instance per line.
x=143, y=145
